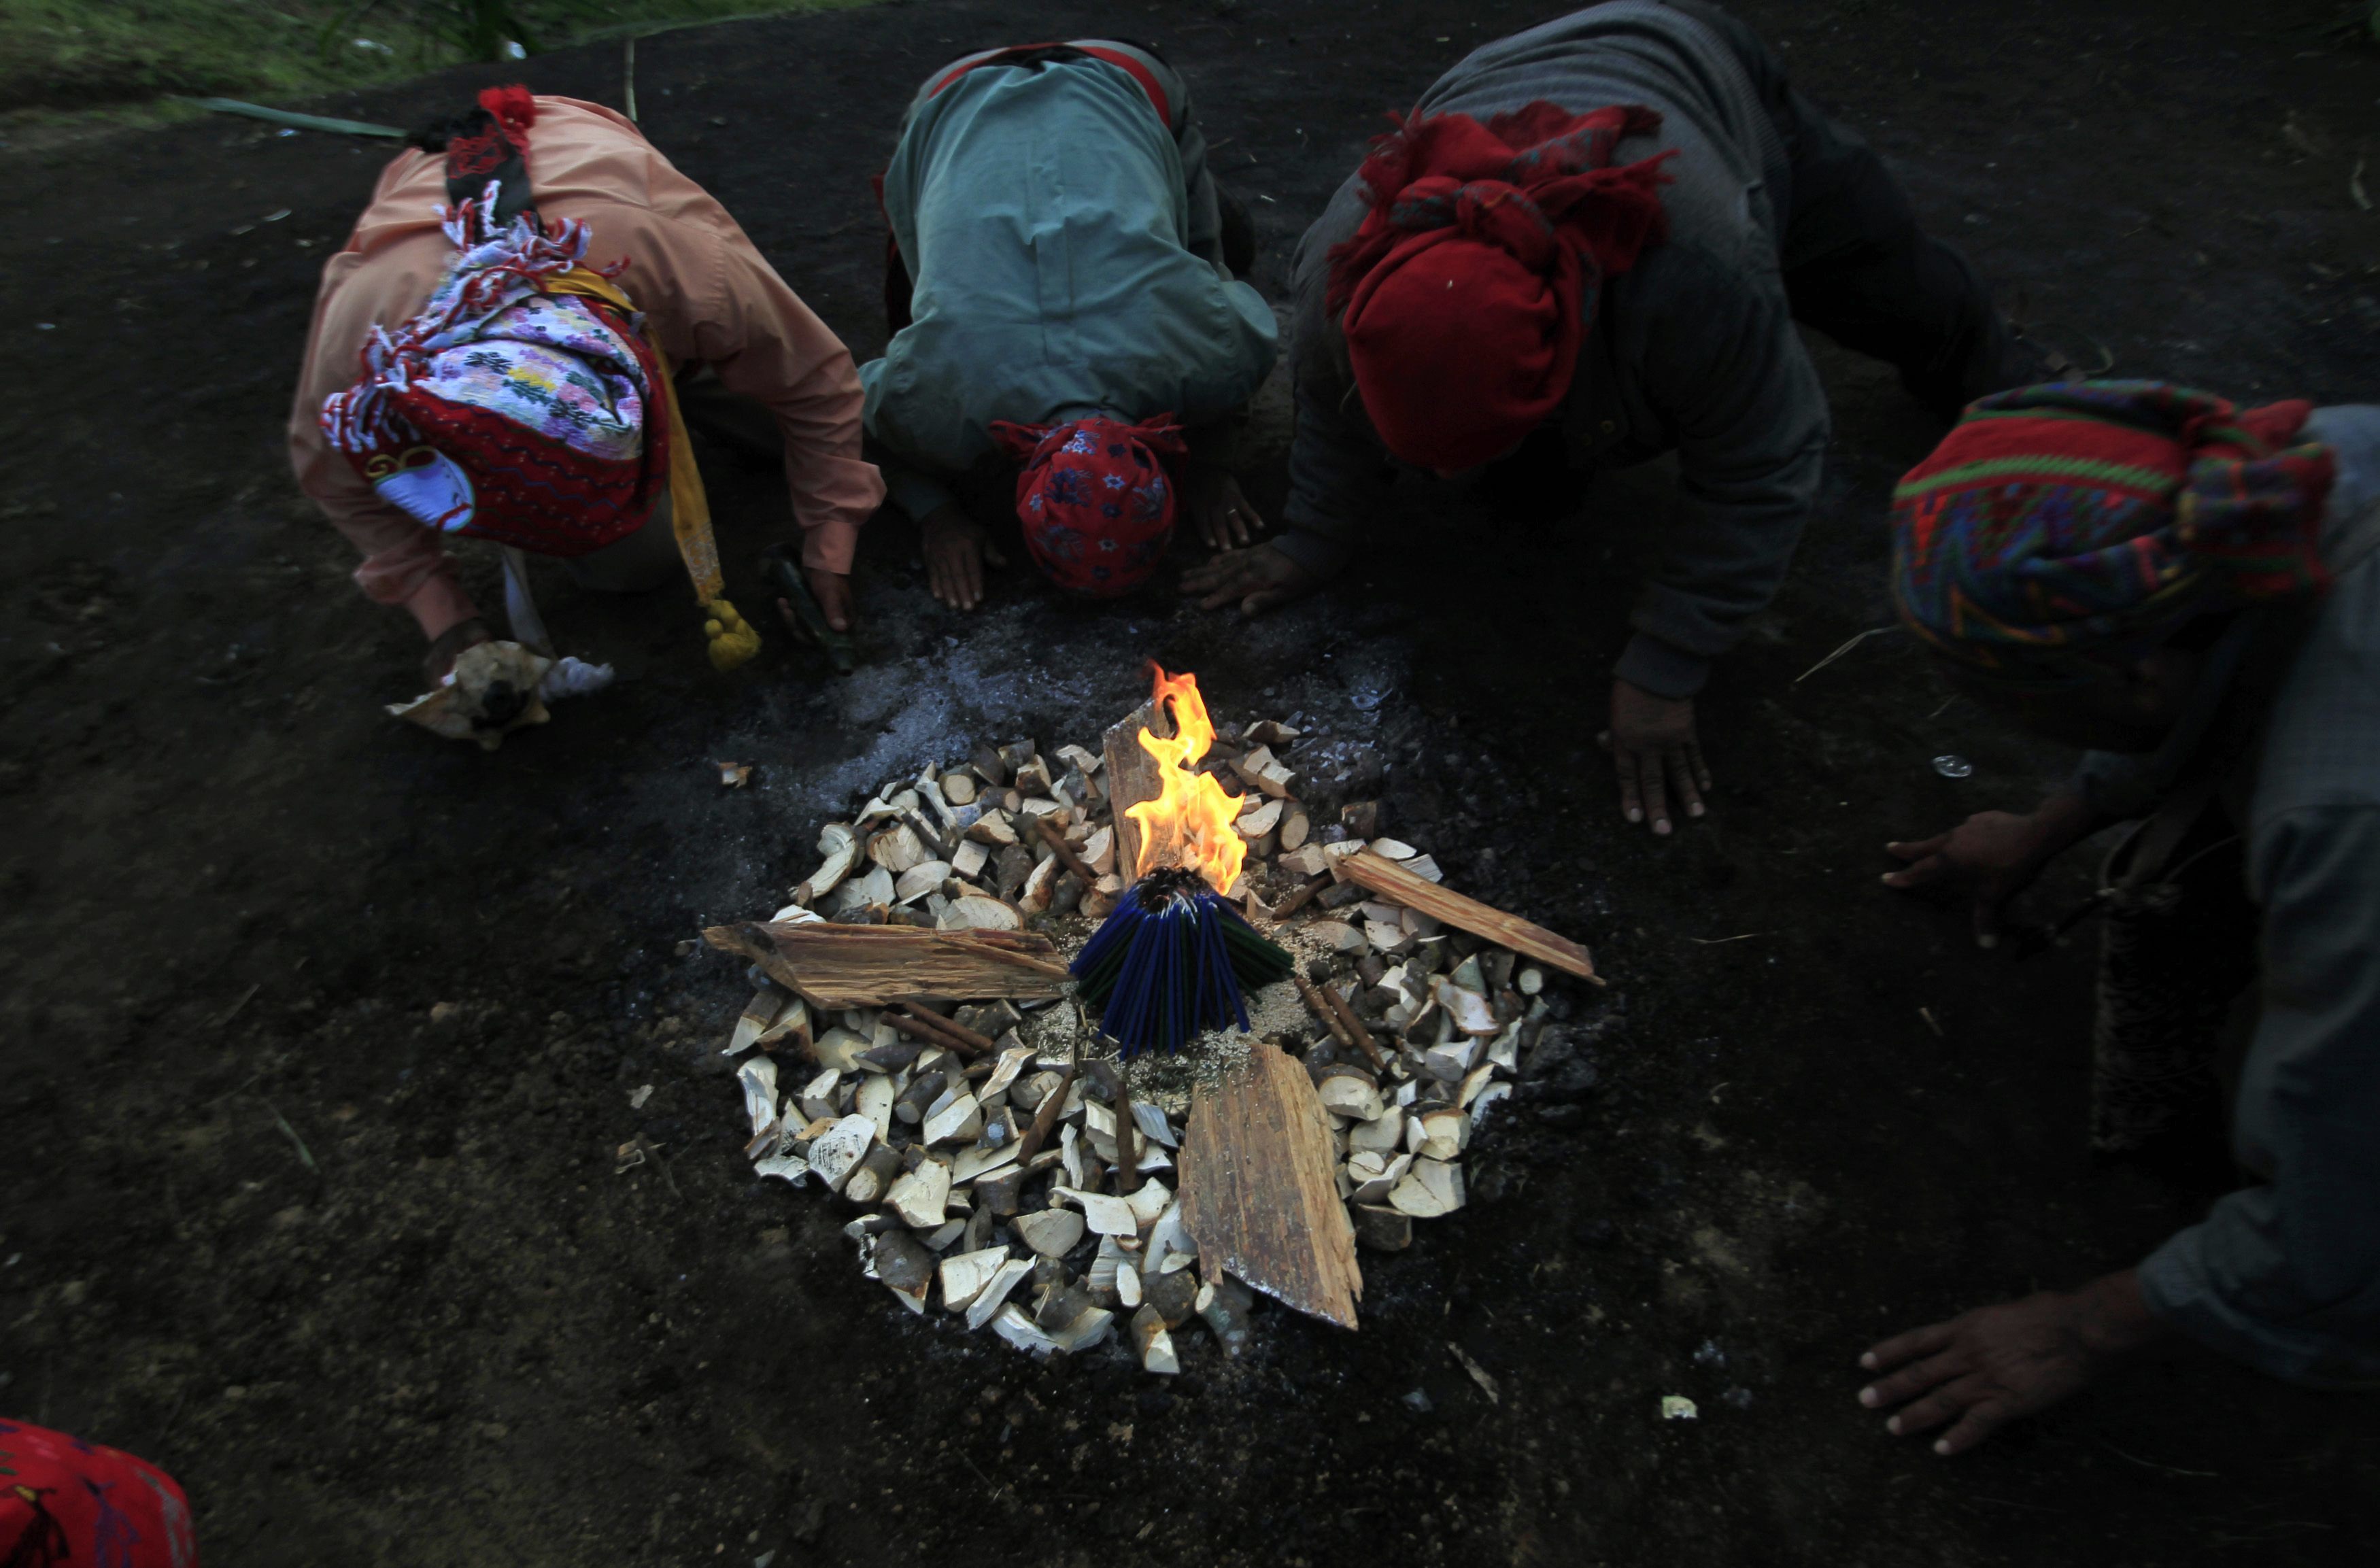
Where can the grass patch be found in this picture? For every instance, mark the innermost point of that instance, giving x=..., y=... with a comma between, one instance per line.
x=71, y=55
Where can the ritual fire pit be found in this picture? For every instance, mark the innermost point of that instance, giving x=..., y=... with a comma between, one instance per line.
x=1274, y=1038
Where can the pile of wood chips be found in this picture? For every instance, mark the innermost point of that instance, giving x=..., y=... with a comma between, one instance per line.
x=912, y=1048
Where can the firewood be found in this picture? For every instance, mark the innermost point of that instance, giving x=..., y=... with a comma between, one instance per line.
x=1259, y=1187
x=1299, y=899
x=1052, y=1232
x=1381, y=875
x=837, y=1152
x=1431, y=1188
x=973, y=1043
x=1260, y=783
x=1295, y=825
x=1132, y=776
x=836, y=965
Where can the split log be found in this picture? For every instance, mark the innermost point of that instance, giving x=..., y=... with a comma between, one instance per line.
x=1131, y=779
x=1260, y=1189
x=838, y=965
x=1386, y=877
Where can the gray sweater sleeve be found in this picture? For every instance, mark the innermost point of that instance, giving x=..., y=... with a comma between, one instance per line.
x=1723, y=368
x=2286, y=1275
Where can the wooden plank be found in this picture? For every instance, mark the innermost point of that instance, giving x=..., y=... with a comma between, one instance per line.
x=831, y=965
x=1385, y=876
x=1260, y=1195
x=1132, y=778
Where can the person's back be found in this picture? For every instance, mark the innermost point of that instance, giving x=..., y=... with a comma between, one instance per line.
x=1044, y=216
x=1058, y=294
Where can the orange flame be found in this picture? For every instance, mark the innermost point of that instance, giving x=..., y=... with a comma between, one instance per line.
x=1189, y=823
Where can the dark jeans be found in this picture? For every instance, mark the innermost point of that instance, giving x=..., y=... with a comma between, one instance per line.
x=1857, y=267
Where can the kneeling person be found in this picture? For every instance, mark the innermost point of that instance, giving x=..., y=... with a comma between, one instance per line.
x=518, y=346
x=1606, y=228
x=2193, y=589
x=1062, y=304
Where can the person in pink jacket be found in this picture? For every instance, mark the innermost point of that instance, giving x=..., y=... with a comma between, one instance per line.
x=439, y=395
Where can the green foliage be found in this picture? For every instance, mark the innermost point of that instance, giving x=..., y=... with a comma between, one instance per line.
x=72, y=55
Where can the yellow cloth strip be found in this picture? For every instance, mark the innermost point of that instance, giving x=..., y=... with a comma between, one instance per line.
x=733, y=640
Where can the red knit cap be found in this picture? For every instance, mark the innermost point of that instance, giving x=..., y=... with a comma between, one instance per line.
x=1471, y=284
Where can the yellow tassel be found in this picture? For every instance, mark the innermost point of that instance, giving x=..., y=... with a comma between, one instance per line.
x=733, y=640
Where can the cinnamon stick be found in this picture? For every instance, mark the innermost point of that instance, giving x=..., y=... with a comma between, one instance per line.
x=1046, y=1116
x=1066, y=855
x=1301, y=898
x=926, y=1036
x=934, y=1020
x=1320, y=1009
x=1355, y=1026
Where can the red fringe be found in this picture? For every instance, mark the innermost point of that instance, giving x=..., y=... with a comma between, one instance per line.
x=512, y=106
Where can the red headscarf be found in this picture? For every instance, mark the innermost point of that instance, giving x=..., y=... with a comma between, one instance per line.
x=66, y=1502
x=1093, y=498
x=1474, y=278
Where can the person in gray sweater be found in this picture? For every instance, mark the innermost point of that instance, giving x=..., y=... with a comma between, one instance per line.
x=2195, y=590
x=1495, y=268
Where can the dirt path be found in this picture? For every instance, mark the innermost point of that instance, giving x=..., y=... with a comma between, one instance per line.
x=367, y=1282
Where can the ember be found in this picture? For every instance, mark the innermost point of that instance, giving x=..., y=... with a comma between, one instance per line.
x=1174, y=960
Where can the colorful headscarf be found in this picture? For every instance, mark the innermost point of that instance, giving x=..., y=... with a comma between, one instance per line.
x=506, y=410
x=1094, y=498
x=2092, y=518
x=1479, y=270
x=66, y=1502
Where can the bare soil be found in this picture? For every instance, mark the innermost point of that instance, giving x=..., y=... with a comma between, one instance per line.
x=368, y=1284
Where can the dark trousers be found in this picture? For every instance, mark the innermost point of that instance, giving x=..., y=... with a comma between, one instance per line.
x=1857, y=266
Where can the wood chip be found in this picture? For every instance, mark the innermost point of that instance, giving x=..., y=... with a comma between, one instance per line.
x=1053, y=1233
x=1431, y=1188
x=837, y=1152
x=1106, y=1215
x=1260, y=1191
x=995, y=1291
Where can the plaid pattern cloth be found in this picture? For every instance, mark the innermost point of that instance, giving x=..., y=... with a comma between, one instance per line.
x=2078, y=519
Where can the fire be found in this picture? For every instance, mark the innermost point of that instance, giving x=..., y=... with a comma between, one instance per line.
x=1189, y=823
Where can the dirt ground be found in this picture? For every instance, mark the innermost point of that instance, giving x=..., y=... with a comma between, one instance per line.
x=368, y=1284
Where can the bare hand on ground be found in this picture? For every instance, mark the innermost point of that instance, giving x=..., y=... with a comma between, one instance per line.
x=1220, y=514
x=1653, y=745
x=1993, y=855
x=957, y=549
x=1986, y=1368
x=1259, y=578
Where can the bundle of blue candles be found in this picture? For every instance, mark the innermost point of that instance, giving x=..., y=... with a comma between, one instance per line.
x=1171, y=961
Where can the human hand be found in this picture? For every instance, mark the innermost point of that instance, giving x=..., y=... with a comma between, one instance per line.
x=448, y=645
x=1259, y=578
x=1653, y=745
x=1986, y=1368
x=957, y=549
x=1218, y=513
x=1992, y=857
x=832, y=591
